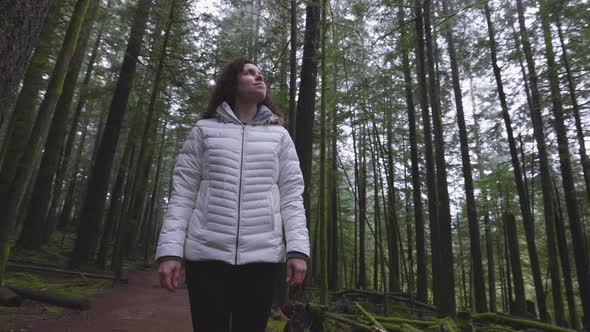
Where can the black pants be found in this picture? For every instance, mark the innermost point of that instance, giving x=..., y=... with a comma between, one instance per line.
x=225, y=297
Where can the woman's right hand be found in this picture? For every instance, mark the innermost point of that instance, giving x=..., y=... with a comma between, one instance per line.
x=171, y=272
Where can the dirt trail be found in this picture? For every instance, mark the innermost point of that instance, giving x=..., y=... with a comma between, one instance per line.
x=141, y=305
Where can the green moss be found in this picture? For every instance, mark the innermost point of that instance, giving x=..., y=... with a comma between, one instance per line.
x=276, y=325
x=26, y=279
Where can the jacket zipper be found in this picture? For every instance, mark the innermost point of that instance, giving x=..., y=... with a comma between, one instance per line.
x=240, y=190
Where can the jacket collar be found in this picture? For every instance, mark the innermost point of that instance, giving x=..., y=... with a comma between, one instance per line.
x=263, y=116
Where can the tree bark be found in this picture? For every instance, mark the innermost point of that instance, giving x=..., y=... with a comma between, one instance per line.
x=293, y=70
x=22, y=117
x=429, y=157
x=421, y=281
x=21, y=26
x=519, y=307
x=446, y=277
x=306, y=100
x=323, y=222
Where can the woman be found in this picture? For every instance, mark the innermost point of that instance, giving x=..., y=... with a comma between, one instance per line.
x=236, y=200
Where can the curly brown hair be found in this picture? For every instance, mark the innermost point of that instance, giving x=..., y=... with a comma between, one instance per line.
x=226, y=86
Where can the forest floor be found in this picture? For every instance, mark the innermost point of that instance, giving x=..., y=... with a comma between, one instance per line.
x=139, y=305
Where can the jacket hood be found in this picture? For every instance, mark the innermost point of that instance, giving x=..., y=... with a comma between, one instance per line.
x=263, y=115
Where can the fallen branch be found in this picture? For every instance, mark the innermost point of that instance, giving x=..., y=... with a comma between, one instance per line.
x=17, y=260
x=61, y=300
x=372, y=319
x=84, y=275
x=517, y=322
x=350, y=322
x=9, y=298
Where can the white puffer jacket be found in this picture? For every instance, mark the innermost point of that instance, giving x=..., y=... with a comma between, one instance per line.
x=235, y=187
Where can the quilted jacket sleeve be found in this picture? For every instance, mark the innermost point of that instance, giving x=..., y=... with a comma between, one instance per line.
x=186, y=180
x=290, y=185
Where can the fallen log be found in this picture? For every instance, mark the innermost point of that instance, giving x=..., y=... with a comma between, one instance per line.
x=81, y=274
x=18, y=260
x=518, y=322
x=9, y=298
x=350, y=322
x=68, y=301
x=372, y=319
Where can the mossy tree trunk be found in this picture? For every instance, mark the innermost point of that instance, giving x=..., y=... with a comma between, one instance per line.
x=61, y=181
x=37, y=230
x=16, y=171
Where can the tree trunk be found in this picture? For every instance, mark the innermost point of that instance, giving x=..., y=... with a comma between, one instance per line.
x=36, y=231
x=21, y=26
x=491, y=270
x=519, y=307
x=293, y=70
x=429, y=158
x=527, y=218
x=131, y=225
x=565, y=262
x=22, y=118
x=546, y=185
x=581, y=255
x=100, y=173
x=323, y=192
x=575, y=107
x=334, y=260
x=362, y=208
x=421, y=281
x=463, y=294
x=69, y=205
x=306, y=100
x=59, y=188
x=16, y=170
x=445, y=277
x=474, y=233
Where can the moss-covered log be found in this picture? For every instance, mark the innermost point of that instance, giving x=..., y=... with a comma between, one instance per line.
x=61, y=300
x=516, y=322
x=78, y=273
x=371, y=318
x=9, y=298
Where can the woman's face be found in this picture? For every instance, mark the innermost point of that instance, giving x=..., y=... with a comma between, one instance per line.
x=251, y=86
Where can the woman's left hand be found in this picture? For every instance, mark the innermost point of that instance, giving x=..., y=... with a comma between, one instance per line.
x=296, y=268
